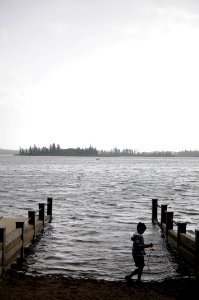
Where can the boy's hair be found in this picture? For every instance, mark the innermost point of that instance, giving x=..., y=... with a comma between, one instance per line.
x=141, y=226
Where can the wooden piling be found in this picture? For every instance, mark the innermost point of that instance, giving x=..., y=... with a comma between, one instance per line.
x=154, y=210
x=31, y=216
x=186, y=246
x=181, y=228
x=42, y=212
x=49, y=207
x=163, y=214
x=21, y=226
x=197, y=252
x=169, y=221
x=3, y=249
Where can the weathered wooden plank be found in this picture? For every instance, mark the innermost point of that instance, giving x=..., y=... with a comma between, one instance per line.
x=12, y=243
x=187, y=241
x=12, y=255
x=172, y=234
x=187, y=256
x=28, y=228
x=173, y=243
x=39, y=226
x=28, y=237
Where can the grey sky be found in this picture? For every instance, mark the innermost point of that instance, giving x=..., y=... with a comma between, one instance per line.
x=107, y=73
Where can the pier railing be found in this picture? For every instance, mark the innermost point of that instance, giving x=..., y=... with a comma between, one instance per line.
x=187, y=247
x=16, y=233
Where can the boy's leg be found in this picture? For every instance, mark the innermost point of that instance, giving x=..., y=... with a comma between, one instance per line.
x=134, y=272
x=139, y=262
x=136, y=260
x=128, y=277
x=140, y=270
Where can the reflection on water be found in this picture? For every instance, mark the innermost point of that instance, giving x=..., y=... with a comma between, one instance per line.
x=97, y=204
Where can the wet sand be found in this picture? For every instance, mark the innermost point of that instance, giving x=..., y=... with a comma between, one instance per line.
x=21, y=286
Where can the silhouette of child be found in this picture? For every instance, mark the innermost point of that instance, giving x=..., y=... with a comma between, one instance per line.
x=138, y=251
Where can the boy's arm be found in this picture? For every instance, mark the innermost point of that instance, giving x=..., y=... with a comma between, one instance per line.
x=148, y=245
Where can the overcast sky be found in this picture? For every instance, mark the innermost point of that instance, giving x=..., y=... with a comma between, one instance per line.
x=110, y=73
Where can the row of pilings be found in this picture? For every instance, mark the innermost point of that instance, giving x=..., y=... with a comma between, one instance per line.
x=16, y=233
x=186, y=246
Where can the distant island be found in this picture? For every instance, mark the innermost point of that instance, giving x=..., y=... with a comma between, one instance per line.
x=56, y=150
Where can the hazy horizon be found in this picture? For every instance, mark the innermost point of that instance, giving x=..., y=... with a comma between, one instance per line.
x=102, y=149
x=114, y=73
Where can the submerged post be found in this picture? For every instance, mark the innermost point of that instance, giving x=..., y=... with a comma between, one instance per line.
x=154, y=210
x=3, y=241
x=49, y=207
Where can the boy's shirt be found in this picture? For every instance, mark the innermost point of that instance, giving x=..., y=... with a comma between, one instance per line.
x=138, y=245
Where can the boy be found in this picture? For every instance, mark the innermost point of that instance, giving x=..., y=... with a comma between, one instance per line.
x=138, y=251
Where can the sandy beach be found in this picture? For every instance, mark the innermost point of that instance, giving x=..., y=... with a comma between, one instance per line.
x=51, y=287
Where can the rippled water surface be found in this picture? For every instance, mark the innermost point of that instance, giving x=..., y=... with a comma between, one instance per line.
x=96, y=206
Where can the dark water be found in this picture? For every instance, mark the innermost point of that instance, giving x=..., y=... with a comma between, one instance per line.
x=97, y=204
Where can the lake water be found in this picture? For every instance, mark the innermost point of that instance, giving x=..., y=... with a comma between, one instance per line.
x=96, y=206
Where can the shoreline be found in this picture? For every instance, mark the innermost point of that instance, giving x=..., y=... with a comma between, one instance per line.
x=15, y=285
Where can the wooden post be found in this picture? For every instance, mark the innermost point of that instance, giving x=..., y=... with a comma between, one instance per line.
x=181, y=228
x=31, y=217
x=169, y=221
x=154, y=210
x=3, y=241
x=21, y=225
x=49, y=207
x=42, y=212
x=197, y=252
x=163, y=214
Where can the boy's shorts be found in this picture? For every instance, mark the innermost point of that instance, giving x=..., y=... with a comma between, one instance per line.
x=139, y=261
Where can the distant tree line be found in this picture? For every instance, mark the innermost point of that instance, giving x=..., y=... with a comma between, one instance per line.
x=188, y=153
x=55, y=150
x=130, y=152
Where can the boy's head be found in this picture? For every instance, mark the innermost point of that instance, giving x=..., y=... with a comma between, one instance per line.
x=141, y=227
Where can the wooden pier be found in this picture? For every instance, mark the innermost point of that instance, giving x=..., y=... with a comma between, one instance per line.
x=186, y=246
x=16, y=233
